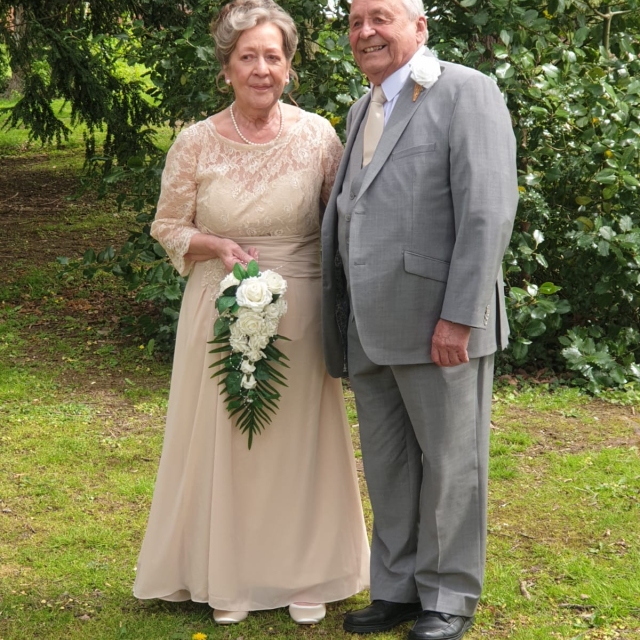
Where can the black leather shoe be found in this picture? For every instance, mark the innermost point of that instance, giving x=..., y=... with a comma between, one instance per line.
x=381, y=615
x=432, y=625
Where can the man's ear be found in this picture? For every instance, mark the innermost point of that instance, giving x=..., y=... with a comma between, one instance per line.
x=422, y=31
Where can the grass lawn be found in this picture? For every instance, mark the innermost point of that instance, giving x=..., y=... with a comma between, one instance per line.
x=81, y=419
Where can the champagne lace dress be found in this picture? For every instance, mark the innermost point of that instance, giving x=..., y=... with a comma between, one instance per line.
x=282, y=523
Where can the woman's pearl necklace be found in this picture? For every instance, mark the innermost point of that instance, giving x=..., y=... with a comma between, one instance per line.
x=257, y=144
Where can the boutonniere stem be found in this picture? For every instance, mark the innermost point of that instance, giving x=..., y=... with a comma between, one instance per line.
x=417, y=90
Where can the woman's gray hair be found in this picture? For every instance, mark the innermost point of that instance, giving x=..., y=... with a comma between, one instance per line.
x=240, y=15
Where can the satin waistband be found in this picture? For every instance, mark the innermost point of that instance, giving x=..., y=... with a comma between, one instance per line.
x=290, y=256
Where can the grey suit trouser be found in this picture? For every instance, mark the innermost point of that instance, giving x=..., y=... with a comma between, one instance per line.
x=424, y=433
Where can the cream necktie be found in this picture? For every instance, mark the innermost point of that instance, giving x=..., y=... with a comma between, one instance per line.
x=374, y=125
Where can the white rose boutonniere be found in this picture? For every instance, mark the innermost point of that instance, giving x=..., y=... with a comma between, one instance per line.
x=425, y=70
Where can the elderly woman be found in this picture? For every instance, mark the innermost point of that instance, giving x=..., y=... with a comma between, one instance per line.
x=280, y=524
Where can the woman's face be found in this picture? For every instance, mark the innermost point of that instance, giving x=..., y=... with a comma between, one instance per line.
x=258, y=68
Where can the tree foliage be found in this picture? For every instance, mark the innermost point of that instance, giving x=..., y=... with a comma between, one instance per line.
x=104, y=44
x=569, y=72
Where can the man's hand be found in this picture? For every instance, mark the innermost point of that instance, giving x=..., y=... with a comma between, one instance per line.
x=449, y=343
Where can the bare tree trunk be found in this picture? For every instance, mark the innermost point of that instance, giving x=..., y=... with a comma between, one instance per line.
x=17, y=26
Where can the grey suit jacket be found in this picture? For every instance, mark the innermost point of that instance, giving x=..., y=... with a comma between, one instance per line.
x=430, y=225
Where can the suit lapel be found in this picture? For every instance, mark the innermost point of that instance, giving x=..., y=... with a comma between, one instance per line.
x=401, y=115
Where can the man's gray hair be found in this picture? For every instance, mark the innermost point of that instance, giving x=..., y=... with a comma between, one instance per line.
x=415, y=8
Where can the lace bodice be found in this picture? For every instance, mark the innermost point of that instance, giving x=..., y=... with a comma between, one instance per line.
x=211, y=184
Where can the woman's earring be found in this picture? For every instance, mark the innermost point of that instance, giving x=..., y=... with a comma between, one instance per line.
x=227, y=80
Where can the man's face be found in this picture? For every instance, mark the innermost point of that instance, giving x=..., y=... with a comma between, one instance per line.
x=382, y=36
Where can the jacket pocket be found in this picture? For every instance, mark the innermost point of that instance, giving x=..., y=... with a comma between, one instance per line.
x=426, y=267
x=413, y=151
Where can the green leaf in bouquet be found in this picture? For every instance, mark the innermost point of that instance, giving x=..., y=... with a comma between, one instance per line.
x=225, y=365
x=239, y=272
x=277, y=376
x=222, y=349
x=233, y=412
x=252, y=269
x=262, y=371
x=233, y=383
x=225, y=302
x=221, y=327
x=271, y=390
x=270, y=399
x=235, y=360
x=273, y=353
x=259, y=414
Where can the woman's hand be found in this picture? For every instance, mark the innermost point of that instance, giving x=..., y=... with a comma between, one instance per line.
x=232, y=253
x=254, y=253
x=204, y=246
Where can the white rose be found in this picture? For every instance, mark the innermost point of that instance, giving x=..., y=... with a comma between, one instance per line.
x=275, y=282
x=239, y=344
x=249, y=322
x=247, y=366
x=228, y=281
x=281, y=305
x=253, y=293
x=238, y=340
x=271, y=326
x=258, y=342
x=274, y=310
x=425, y=70
x=254, y=354
x=248, y=381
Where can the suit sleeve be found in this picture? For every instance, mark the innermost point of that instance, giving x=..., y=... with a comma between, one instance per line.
x=484, y=192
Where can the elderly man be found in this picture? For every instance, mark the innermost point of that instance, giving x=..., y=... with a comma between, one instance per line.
x=413, y=239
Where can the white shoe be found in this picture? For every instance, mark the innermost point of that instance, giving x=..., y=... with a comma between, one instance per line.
x=307, y=613
x=229, y=617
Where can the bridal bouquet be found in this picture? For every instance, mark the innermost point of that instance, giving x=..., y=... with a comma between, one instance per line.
x=250, y=305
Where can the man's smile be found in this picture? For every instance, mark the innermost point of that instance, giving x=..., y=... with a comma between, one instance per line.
x=379, y=47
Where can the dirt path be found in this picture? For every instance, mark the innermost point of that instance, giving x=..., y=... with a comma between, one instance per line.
x=42, y=216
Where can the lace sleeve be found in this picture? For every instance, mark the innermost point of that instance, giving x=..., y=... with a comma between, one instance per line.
x=174, y=226
x=331, y=155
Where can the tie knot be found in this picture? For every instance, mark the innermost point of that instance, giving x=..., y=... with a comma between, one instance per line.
x=378, y=95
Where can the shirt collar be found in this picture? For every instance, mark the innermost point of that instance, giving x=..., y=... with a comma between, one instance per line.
x=394, y=83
